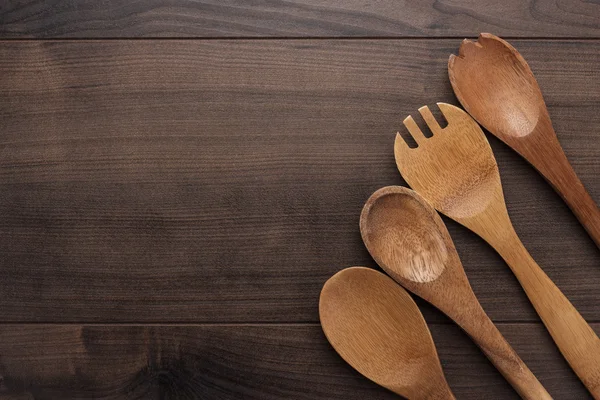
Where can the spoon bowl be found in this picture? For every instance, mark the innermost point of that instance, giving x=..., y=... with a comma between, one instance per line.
x=407, y=240
x=506, y=80
x=378, y=329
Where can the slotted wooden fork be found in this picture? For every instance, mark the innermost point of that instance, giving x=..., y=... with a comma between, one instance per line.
x=455, y=170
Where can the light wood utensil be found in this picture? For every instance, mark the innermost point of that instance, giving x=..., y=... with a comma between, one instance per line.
x=496, y=86
x=378, y=329
x=409, y=240
x=456, y=172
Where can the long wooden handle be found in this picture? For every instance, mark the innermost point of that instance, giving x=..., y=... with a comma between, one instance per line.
x=570, y=188
x=574, y=337
x=435, y=392
x=550, y=160
x=489, y=339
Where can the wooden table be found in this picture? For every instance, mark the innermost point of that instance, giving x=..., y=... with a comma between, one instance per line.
x=179, y=178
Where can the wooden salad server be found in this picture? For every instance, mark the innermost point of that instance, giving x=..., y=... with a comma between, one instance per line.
x=377, y=328
x=409, y=240
x=456, y=172
x=496, y=86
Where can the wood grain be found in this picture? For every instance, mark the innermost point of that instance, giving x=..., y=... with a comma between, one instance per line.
x=297, y=18
x=222, y=181
x=240, y=362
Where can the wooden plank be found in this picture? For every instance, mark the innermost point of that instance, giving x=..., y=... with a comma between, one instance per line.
x=221, y=181
x=241, y=362
x=297, y=18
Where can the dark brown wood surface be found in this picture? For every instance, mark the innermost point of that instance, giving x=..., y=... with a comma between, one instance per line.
x=169, y=209
x=292, y=361
x=276, y=18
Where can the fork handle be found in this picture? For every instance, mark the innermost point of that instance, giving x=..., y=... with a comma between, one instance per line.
x=574, y=337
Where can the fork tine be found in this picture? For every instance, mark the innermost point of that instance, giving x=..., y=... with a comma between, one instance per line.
x=400, y=145
x=468, y=47
x=414, y=130
x=487, y=38
x=451, y=112
x=453, y=60
x=430, y=120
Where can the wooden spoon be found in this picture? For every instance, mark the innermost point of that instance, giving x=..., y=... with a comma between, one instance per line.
x=496, y=86
x=456, y=172
x=409, y=240
x=378, y=329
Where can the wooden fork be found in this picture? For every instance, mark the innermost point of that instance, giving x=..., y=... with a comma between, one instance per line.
x=493, y=82
x=455, y=170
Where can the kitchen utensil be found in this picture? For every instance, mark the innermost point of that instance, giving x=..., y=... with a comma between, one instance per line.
x=456, y=172
x=409, y=240
x=375, y=326
x=496, y=86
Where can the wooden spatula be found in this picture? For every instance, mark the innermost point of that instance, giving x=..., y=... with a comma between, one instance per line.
x=378, y=329
x=496, y=86
x=456, y=172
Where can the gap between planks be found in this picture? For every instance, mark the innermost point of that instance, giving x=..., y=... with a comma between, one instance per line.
x=274, y=38
x=239, y=324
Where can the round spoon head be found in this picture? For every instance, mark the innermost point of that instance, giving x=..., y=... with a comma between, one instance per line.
x=378, y=329
x=408, y=239
x=403, y=235
x=496, y=86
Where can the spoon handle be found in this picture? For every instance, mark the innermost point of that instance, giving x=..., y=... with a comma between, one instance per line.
x=436, y=392
x=557, y=170
x=491, y=342
x=543, y=150
x=574, y=337
x=582, y=205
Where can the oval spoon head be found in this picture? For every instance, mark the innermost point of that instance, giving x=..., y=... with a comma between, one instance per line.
x=496, y=86
x=406, y=236
x=378, y=329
